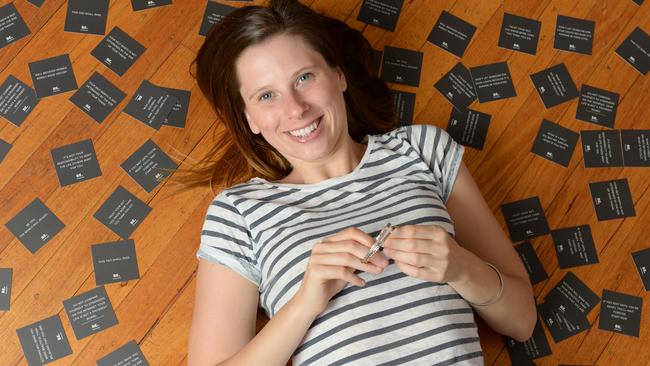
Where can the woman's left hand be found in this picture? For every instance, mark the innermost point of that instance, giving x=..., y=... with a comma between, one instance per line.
x=426, y=252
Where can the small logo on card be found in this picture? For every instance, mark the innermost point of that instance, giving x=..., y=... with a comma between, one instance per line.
x=542, y=90
x=94, y=326
x=84, y=28
x=138, y=98
x=375, y=20
x=529, y=232
x=4, y=290
x=572, y=47
x=594, y=118
x=44, y=237
x=151, y=3
x=618, y=327
x=496, y=95
x=59, y=336
x=562, y=308
x=628, y=147
x=399, y=78
x=133, y=222
x=643, y=270
x=631, y=59
x=450, y=95
x=79, y=176
x=598, y=201
x=515, y=45
x=116, y=276
x=444, y=44
x=108, y=60
x=26, y=108
x=56, y=89
x=587, y=148
x=9, y=38
x=87, y=107
x=159, y=176
x=560, y=248
x=549, y=154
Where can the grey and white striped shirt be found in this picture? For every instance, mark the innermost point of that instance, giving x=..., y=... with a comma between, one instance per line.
x=265, y=231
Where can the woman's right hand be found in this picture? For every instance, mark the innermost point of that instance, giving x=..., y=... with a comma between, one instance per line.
x=331, y=267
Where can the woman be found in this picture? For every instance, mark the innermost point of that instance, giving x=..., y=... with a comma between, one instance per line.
x=293, y=90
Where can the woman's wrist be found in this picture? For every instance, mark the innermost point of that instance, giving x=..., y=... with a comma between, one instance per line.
x=479, y=283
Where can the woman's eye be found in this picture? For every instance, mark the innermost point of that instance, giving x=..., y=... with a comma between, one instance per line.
x=265, y=96
x=304, y=77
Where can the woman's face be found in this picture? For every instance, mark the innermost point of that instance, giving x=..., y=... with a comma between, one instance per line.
x=293, y=98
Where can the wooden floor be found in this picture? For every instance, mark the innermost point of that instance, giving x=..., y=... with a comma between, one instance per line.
x=156, y=310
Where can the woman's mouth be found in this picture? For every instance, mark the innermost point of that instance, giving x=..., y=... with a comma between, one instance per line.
x=307, y=133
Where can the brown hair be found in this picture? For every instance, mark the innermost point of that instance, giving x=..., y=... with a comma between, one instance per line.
x=245, y=154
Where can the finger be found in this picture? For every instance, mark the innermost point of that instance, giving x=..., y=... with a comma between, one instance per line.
x=418, y=231
x=351, y=233
x=411, y=245
x=345, y=260
x=327, y=272
x=352, y=247
x=414, y=259
x=423, y=273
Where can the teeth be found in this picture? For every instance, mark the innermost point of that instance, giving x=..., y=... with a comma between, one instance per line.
x=305, y=131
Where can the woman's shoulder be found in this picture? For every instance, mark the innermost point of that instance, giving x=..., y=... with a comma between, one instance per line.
x=412, y=135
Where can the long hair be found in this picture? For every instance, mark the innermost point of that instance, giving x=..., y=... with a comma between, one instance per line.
x=238, y=153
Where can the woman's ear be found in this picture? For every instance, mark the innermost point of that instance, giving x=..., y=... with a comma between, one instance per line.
x=343, y=82
x=251, y=124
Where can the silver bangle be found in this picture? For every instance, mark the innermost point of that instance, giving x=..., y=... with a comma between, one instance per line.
x=498, y=295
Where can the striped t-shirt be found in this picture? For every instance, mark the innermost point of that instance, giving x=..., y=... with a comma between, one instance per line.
x=265, y=232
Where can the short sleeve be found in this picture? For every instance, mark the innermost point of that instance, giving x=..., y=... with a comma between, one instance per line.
x=438, y=150
x=225, y=240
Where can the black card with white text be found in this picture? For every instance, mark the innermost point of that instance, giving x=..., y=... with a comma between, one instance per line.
x=12, y=25
x=118, y=51
x=575, y=293
x=535, y=347
x=404, y=103
x=381, y=13
x=612, y=199
x=573, y=34
x=178, y=114
x=525, y=219
x=554, y=85
x=35, y=225
x=636, y=147
x=17, y=100
x=519, y=33
x=635, y=49
x=451, y=33
x=469, y=127
x=52, y=76
x=620, y=313
x=147, y=4
x=150, y=105
x=529, y=258
x=457, y=86
x=85, y=16
x=562, y=321
x=44, y=341
x=597, y=106
x=127, y=355
x=574, y=246
x=98, y=97
x=149, y=166
x=493, y=82
x=641, y=260
x=401, y=66
x=76, y=162
x=122, y=212
x=115, y=262
x=601, y=149
x=555, y=143
x=213, y=14
x=90, y=312
x=5, y=288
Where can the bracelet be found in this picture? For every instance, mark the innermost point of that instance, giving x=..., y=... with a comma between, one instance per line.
x=498, y=295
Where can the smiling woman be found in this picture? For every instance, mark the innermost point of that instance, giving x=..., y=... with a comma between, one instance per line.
x=314, y=171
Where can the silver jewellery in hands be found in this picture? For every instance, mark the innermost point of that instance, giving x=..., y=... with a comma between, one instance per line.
x=379, y=241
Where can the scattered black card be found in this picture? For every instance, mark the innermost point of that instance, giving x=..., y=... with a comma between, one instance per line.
x=90, y=312
x=492, y=82
x=122, y=212
x=12, y=25
x=98, y=97
x=85, y=16
x=597, y=106
x=150, y=104
x=535, y=347
x=44, y=341
x=469, y=127
x=620, y=313
x=213, y=14
x=118, y=51
x=574, y=246
x=554, y=85
x=525, y=219
x=36, y=2
x=35, y=225
x=642, y=263
x=601, y=149
x=562, y=321
x=178, y=114
x=531, y=262
x=401, y=66
x=52, y=76
x=149, y=166
x=612, y=199
x=404, y=106
x=457, y=86
x=147, y=4
x=127, y=355
x=5, y=288
x=4, y=149
x=76, y=162
x=452, y=33
x=519, y=33
x=635, y=49
x=17, y=100
x=636, y=147
x=381, y=13
x=115, y=262
x=573, y=34
x=555, y=143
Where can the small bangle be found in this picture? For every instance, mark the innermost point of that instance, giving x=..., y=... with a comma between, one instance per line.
x=498, y=295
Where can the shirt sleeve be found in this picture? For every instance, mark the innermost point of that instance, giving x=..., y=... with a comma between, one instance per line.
x=440, y=152
x=225, y=240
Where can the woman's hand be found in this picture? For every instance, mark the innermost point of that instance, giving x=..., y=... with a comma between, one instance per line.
x=331, y=267
x=426, y=252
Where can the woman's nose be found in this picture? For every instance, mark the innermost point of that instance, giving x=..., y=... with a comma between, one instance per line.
x=295, y=104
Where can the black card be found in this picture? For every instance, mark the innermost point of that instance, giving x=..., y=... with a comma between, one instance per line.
x=636, y=147
x=146, y=4
x=562, y=321
x=525, y=219
x=213, y=14
x=4, y=149
x=642, y=263
x=118, y=51
x=76, y=162
x=12, y=25
x=635, y=49
x=572, y=292
x=122, y=212
x=90, y=312
x=601, y=149
x=612, y=199
x=36, y=2
x=574, y=246
x=620, y=313
x=401, y=66
x=52, y=76
x=531, y=261
x=597, y=106
x=638, y=2
x=17, y=100
x=35, y=225
x=149, y=166
x=519, y=33
x=457, y=86
x=469, y=127
x=554, y=85
x=535, y=347
x=492, y=82
x=44, y=341
x=573, y=34
x=98, y=97
x=150, y=104
x=404, y=106
x=452, y=34
x=127, y=355
x=115, y=262
x=381, y=13
x=555, y=143
x=85, y=16
x=5, y=288
x=178, y=115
